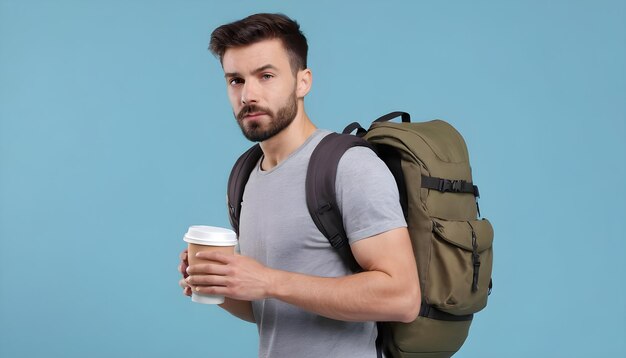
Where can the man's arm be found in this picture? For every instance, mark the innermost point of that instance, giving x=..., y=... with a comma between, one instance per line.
x=239, y=309
x=387, y=290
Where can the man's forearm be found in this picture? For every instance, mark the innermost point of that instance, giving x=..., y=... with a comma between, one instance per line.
x=239, y=309
x=365, y=296
x=387, y=289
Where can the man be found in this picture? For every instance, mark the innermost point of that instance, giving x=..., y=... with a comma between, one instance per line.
x=288, y=279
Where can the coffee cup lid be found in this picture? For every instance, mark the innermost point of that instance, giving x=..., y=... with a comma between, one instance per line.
x=210, y=235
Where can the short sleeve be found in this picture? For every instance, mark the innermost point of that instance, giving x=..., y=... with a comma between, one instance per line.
x=367, y=195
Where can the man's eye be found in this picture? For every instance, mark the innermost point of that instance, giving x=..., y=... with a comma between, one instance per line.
x=267, y=76
x=235, y=81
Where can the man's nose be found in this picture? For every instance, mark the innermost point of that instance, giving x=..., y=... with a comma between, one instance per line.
x=250, y=92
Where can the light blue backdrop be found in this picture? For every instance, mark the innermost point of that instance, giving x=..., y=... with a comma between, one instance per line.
x=116, y=134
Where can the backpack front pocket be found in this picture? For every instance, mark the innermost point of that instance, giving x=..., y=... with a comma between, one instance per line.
x=459, y=273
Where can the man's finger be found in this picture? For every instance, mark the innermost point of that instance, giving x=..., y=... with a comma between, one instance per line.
x=183, y=255
x=214, y=256
x=212, y=290
x=206, y=280
x=207, y=269
x=182, y=268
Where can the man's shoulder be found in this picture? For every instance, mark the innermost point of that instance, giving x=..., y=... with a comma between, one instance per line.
x=357, y=152
x=360, y=160
x=356, y=159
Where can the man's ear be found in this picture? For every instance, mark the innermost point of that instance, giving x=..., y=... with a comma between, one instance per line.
x=304, y=79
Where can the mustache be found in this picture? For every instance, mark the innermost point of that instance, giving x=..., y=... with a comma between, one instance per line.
x=252, y=108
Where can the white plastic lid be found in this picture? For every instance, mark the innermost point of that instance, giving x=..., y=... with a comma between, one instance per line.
x=210, y=235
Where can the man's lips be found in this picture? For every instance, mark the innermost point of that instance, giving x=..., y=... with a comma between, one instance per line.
x=254, y=115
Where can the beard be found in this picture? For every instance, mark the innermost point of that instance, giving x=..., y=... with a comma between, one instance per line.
x=256, y=131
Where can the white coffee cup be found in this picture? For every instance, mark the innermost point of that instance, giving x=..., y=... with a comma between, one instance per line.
x=208, y=238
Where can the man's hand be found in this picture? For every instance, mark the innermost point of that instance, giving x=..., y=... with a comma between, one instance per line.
x=233, y=276
x=241, y=309
x=182, y=267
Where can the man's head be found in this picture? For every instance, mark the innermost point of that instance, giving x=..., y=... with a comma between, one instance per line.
x=264, y=62
x=259, y=27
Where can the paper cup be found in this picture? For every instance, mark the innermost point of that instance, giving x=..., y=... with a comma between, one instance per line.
x=208, y=238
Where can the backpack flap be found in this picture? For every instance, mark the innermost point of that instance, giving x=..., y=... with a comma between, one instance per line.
x=460, y=265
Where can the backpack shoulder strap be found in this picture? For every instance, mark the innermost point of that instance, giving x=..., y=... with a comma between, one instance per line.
x=321, y=197
x=237, y=182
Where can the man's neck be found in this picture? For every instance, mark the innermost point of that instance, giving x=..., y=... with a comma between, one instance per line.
x=280, y=146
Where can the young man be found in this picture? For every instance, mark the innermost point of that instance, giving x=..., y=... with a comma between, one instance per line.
x=288, y=279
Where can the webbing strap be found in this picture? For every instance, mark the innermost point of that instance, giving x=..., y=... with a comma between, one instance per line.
x=447, y=185
x=431, y=312
x=406, y=118
x=360, y=131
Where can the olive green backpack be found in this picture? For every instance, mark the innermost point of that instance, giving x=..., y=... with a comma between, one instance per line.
x=452, y=247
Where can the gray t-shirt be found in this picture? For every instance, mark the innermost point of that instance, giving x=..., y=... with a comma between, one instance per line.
x=277, y=230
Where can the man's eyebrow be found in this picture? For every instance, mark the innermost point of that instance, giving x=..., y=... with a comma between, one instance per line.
x=260, y=69
x=231, y=74
x=265, y=68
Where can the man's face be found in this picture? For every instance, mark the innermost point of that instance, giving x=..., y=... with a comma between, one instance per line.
x=261, y=88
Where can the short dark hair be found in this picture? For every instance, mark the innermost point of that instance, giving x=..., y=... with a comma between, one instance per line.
x=259, y=27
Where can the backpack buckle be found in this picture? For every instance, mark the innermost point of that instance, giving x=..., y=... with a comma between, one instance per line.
x=442, y=185
x=337, y=241
x=324, y=208
x=456, y=185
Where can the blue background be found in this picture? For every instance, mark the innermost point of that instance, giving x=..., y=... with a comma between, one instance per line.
x=116, y=135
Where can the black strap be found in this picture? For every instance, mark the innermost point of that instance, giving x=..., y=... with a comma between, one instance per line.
x=360, y=131
x=406, y=118
x=475, y=260
x=431, y=312
x=380, y=339
x=237, y=182
x=321, y=198
x=447, y=185
x=391, y=157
